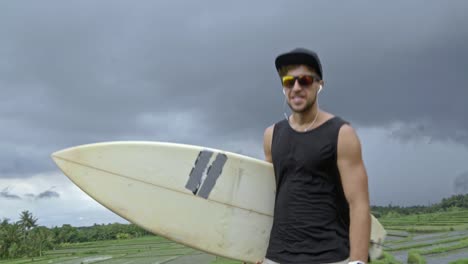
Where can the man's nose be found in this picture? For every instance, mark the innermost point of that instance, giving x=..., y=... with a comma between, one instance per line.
x=297, y=86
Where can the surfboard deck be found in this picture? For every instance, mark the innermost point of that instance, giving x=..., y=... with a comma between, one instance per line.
x=215, y=201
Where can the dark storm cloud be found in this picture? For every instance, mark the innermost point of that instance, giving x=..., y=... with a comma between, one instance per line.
x=91, y=71
x=17, y=159
x=5, y=193
x=48, y=194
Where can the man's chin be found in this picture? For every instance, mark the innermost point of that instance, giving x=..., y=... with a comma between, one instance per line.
x=299, y=110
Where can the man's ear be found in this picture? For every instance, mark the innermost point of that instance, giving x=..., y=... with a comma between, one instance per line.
x=321, y=86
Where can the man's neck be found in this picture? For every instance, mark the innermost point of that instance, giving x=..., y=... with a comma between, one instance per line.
x=305, y=118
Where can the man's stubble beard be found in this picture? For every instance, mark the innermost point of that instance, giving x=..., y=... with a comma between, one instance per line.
x=306, y=108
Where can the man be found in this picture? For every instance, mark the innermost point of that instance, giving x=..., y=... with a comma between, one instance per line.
x=322, y=212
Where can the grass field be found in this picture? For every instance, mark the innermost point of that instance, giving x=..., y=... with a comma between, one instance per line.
x=437, y=238
x=440, y=238
x=151, y=249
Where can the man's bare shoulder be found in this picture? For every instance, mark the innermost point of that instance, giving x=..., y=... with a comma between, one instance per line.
x=269, y=130
x=349, y=145
x=267, y=138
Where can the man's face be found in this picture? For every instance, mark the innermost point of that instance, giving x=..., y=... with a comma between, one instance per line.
x=301, y=97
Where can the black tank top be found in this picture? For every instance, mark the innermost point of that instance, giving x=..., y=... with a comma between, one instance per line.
x=311, y=217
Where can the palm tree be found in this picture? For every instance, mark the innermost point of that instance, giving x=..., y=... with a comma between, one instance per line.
x=27, y=221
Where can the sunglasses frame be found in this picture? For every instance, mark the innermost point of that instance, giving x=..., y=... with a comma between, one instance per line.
x=315, y=78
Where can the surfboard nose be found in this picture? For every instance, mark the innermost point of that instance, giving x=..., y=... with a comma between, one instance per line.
x=72, y=154
x=84, y=155
x=60, y=157
x=63, y=153
x=57, y=154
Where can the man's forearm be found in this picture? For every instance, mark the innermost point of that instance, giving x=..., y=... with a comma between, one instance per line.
x=359, y=233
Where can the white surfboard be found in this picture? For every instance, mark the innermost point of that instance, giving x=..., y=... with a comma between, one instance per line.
x=211, y=200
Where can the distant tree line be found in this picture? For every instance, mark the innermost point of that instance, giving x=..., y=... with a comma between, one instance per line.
x=453, y=202
x=25, y=238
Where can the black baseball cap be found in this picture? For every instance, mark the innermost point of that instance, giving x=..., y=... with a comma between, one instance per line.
x=300, y=56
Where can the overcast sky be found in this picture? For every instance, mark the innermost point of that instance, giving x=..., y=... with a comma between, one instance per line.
x=202, y=72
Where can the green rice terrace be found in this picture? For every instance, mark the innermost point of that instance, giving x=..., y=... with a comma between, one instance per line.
x=427, y=238
x=434, y=235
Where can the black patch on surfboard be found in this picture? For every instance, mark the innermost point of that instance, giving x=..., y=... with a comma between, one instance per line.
x=201, y=163
x=213, y=173
x=202, y=187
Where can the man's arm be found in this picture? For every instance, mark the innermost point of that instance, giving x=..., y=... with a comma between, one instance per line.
x=355, y=186
x=267, y=137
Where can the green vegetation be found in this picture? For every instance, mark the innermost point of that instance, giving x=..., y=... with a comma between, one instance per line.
x=454, y=202
x=25, y=239
x=415, y=258
x=426, y=244
x=449, y=219
x=462, y=244
x=416, y=230
x=148, y=249
x=416, y=233
x=387, y=258
x=460, y=261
